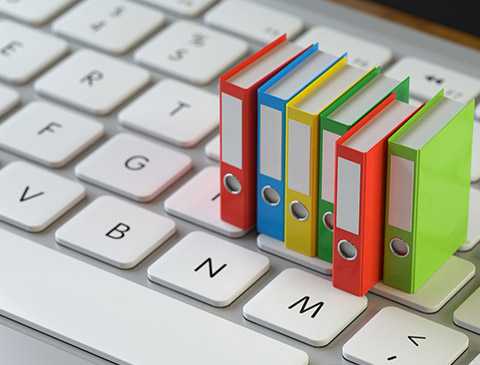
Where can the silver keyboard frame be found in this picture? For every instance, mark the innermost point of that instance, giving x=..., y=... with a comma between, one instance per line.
x=403, y=41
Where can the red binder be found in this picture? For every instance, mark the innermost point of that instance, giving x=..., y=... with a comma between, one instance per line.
x=361, y=163
x=238, y=128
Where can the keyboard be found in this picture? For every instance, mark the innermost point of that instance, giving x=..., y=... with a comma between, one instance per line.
x=111, y=244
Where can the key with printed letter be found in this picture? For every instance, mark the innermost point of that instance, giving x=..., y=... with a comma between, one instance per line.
x=198, y=201
x=361, y=53
x=304, y=306
x=426, y=79
x=191, y=51
x=253, y=20
x=114, y=231
x=209, y=269
x=33, y=11
x=112, y=25
x=48, y=134
x=33, y=198
x=395, y=336
x=120, y=320
x=174, y=111
x=93, y=82
x=133, y=167
x=25, y=52
x=184, y=7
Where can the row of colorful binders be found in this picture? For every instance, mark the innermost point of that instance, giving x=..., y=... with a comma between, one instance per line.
x=333, y=161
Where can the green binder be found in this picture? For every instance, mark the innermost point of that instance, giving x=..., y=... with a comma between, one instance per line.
x=428, y=187
x=334, y=124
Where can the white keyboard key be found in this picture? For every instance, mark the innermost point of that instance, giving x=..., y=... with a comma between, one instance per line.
x=361, y=53
x=48, y=134
x=184, y=7
x=8, y=99
x=209, y=269
x=114, y=231
x=33, y=11
x=476, y=152
x=252, y=20
x=133, y=167
x=415, y=102
x=25, y=52
x=93, y=82
x=476, y=361
x=426, y=79
x=304, y=306
x=198, y=201
x=395, y=336
x=473, y=234
x=212, y=149
x=466, y=315
x=191, y=51
x=33, y=198
x=111, y=25
x=173, y=111
x=120, y=320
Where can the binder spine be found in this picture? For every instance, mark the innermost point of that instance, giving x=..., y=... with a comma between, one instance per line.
x=236, y=158
x=325, y=203
x=330, y=132
x=301, y=178
x=239, y=175
x=348, y=255
x=271, y=166
x=399, y=245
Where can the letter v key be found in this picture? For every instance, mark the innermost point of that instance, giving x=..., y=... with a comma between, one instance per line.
x=26, y=197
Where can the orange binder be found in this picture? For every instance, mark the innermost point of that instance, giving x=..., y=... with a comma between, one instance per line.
x=360, y=196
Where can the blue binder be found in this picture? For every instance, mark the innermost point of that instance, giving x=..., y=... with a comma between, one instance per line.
x=273, y=97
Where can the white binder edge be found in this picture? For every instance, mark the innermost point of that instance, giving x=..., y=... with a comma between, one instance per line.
x=298, y=163
x=400, y=207
x=328, y=165
x=348, y=196
x=232, y=134
x=270, y=139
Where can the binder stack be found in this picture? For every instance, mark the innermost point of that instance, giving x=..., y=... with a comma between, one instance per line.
x=428, y=191
x=273, y=97
x=335, y=123
x=238, y=129
x=301, y=160
x=361, y=167
x=348, y=172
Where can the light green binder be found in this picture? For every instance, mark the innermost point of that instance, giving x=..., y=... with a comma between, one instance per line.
x=334, y=124
x=428, y=186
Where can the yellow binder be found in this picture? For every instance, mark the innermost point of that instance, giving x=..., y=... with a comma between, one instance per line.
x=302, y=150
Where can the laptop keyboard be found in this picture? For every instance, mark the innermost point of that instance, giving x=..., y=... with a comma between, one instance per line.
x=108, y=119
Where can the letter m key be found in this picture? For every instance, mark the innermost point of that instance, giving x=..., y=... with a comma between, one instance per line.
x=305, y=308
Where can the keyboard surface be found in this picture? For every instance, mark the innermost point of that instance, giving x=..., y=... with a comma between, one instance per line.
x=134, y=86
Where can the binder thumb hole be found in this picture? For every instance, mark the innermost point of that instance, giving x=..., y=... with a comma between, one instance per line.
x=298, y=211
x=399, y=247
x=232, y=184
x=270, y=196
x=347, y=250
x=328, y=221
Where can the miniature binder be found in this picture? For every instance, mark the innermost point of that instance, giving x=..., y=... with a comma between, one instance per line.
x=273, y=97
x=301, y=166
x=238, y=129
x=335, y=123
x=428, y=188
x=359, y=211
